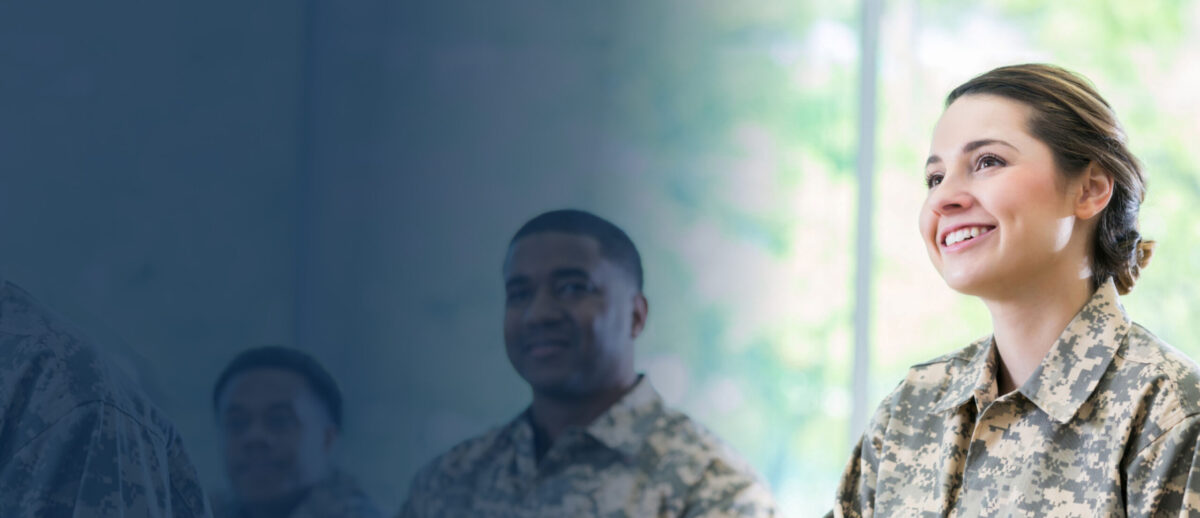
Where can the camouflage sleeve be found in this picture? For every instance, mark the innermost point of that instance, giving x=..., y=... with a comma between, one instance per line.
x=856, y=490
x=1163, y=479
x=188, y=499
x=725, y=491
x=95, y=461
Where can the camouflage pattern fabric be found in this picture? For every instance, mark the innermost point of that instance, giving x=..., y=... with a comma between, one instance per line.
x=77, y=439
x=338, y=496
x=639, y=459
x=1106, y=426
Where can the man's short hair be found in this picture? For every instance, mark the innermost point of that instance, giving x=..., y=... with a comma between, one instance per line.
x=615, y=245
x=299, y=362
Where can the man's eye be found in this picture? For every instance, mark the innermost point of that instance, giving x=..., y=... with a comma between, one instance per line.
x=278, y=423
x=515, y=296
x=236, y=425
x=573, y=288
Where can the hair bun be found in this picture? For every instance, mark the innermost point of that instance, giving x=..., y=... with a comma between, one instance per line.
x=1144, y=249
x=1140, y=251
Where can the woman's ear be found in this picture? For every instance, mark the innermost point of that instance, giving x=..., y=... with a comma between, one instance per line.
x=1095, y=190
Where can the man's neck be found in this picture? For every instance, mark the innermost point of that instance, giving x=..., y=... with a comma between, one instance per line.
x=278, y=508
x=552, y=414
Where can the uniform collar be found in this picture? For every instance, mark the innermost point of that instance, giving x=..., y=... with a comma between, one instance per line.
x=979, y=375
x=1067, y=375
x=622, y=428
x=1073, y=367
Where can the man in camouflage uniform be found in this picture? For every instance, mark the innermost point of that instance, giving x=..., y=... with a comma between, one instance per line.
x=597, y=439
x=1107, y=425
x=280, y=413
x=77, y=438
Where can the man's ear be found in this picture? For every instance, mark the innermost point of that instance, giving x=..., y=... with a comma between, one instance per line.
x=641, y=309
x=1095, y=190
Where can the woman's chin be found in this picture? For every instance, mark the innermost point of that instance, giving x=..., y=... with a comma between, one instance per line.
x=968, y=283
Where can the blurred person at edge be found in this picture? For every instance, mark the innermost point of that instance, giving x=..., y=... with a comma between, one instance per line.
x=597, y=439
x=1068, y=408
x=280, y=414
x=77, y=437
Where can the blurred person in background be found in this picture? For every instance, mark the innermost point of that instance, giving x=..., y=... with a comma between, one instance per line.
x=77, y=437
x=280, y=414
x=1068, y=408
x=597, y=439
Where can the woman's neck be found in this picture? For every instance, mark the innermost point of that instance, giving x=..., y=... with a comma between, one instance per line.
x=1027, y=322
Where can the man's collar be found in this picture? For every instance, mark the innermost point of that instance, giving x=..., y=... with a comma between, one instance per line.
x=625, y=425
x=622, y=428
x=1071, y=369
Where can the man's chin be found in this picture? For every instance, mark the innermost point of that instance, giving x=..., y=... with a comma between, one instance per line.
x=264, y=492
x=557, y=386
x=275, y=504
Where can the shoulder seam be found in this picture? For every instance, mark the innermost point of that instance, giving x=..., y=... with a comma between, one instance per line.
x=102, y=402
x=1167, y=430
x=940, y=360
x=957, y=355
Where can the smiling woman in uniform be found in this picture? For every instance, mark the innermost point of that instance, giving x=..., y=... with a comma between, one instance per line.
x=1068, y=408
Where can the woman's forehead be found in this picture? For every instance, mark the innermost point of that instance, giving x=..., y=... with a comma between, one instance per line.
x=975, y=117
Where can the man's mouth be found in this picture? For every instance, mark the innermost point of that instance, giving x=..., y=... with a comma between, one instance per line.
x=258, y=468
x=538, y=348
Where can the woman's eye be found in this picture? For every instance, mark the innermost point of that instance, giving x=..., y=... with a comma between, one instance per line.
x=933, y=180
x=987, y=161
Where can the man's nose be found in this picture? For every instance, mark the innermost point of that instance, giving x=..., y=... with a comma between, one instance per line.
x=255, y=435
x=544, y=308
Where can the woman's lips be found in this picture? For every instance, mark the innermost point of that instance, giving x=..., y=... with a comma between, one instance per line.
x=960, y=243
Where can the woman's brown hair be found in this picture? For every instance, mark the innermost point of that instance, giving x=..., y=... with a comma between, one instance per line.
x=1081, y=129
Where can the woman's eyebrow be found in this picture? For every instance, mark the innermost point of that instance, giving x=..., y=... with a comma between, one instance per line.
x=972, y=146
x=969, y=147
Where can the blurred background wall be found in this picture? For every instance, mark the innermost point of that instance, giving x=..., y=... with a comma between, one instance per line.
x=185, y=181
x=149, y=182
